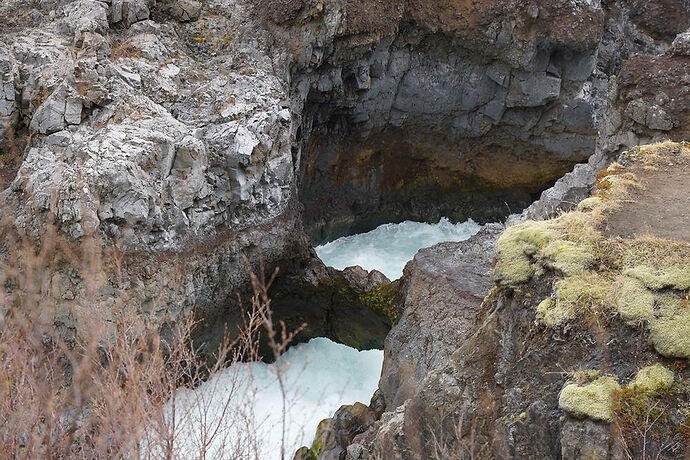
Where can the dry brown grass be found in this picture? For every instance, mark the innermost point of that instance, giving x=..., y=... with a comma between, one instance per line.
x=124, y=50
x=77, y=382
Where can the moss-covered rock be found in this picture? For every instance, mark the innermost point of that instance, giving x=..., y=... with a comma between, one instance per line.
x=642, y=277
x=657, y=278
x=635, y=303
x=515, y=248
x=671, y=335
x=589, y=204
x=653, y=378
x=593, y=400
x=549, y=314
x=567, y=257
x=381, y=299
x=324, y=441
x=580, y=293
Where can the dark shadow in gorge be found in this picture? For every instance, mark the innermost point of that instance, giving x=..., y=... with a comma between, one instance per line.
x=419, y=127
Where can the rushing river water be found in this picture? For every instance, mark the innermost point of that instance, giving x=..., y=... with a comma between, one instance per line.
x=389, y=247
x=319, y=376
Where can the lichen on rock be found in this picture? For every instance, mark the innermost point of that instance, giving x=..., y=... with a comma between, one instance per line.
x=589, y=401
x=653, y=378
x=515, y=249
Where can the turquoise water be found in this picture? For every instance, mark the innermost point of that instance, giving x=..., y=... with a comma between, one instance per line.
x=320, y=375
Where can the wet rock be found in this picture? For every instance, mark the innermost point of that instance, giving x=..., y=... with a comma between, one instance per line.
x=364, y=280
x=349, y=421
x=324, y=446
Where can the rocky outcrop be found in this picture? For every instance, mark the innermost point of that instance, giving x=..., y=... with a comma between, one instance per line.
x=583, y=334
x=173, y=131
x=442, y=290
x=647, y=103
x=383, y=150
x=145, y=142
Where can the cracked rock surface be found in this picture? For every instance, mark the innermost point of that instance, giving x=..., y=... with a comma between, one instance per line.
x=176, y=131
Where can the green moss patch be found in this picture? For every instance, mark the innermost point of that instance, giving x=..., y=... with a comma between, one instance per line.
x=653, y=378
x=589, y=204
x=593, y=400
x=635, y=303
x=568, y=258
x=644, y=279
x=381, y=299
x=515, y=248
x=670, y=335
x=549, y=314
x=581, y=293
x=658, y=278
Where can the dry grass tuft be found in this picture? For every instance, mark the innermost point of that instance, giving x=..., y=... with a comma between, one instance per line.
x=77, y=382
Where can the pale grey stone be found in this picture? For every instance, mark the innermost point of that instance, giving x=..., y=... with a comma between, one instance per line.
x=128, y=12
x=186, y=10
x=73, y=108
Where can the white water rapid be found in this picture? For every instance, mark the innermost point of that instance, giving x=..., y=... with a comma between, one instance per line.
x=319, y=376
x=389, y=247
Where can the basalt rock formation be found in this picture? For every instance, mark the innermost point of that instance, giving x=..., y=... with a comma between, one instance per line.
x=182, y=135
x=579, y=351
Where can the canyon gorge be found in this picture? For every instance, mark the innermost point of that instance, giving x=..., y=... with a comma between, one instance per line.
x=194, y=140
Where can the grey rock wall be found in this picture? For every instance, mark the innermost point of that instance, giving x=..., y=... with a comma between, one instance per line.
x=158, y=134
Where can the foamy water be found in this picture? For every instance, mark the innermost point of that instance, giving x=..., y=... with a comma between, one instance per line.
x=319, y=376
x=389, y=247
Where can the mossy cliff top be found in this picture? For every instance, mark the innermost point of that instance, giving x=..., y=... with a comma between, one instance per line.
x=591, y=395
x=616, y=254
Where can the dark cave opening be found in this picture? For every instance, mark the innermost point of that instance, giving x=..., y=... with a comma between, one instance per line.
x=418, y=128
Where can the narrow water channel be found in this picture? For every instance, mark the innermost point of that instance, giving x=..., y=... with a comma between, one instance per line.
x=320, y=375
x=389, y=247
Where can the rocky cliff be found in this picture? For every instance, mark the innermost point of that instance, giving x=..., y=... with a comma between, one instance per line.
x=579, y=351
x=181, y=135
x=175, y=131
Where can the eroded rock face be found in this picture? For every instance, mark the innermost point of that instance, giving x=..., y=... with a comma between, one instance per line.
x=539, y=369
x=175, y=167
x=382, y=148
x=443, y=288
x=162, y=136
x=648, y=102
x=8, y=97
